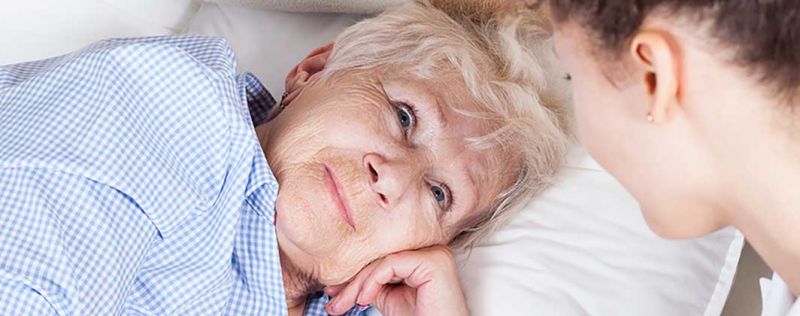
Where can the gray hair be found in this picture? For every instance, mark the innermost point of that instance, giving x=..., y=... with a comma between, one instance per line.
x=507, y=64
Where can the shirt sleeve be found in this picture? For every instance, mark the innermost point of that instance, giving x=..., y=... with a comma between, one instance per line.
x=12, y=75
x=103, y=151
x=149, y=117
x=69, y=245
x=19, y=293
x=18, y=297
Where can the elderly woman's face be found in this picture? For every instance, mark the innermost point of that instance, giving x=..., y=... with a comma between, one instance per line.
x=371, y=163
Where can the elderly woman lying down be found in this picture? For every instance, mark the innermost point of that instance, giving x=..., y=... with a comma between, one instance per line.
x=142, y=176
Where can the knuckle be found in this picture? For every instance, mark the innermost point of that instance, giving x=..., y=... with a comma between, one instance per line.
x=393, y=259
x=443, y=253
x=444, y=259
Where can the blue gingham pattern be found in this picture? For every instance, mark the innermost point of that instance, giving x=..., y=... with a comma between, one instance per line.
x=132, y=183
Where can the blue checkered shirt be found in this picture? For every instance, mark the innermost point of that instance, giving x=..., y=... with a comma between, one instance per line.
x=132, y=182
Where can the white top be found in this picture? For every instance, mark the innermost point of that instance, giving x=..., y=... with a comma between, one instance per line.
x=777, y=299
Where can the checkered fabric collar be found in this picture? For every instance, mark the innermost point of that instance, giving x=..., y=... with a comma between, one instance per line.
x=262, y=186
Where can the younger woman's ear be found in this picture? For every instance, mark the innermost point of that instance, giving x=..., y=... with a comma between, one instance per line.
x=656, y=59
x=301, y=74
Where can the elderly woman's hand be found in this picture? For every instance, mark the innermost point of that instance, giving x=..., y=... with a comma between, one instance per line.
x=417, y=282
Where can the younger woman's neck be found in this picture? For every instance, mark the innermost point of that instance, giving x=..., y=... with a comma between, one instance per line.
x=766, y=208
x=777, y=241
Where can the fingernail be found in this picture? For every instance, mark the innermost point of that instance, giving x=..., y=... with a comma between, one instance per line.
x=362, y=308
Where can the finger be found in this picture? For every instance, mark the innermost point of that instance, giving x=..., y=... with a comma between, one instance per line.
x=393, y=269
x=346, y=297
x=333, y=290
x=342, y=302
x=413, y=268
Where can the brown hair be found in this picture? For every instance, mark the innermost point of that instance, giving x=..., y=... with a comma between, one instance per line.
x=764, y=35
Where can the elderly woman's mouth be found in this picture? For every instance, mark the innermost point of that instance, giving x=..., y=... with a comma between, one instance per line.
x=337, y=194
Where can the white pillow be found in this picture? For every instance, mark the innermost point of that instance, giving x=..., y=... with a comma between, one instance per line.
x=33, y=30
x=268, y=43
x=580, y=248
x=583, y=248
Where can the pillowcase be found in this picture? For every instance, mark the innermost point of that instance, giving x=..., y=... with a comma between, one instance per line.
x=580, y=248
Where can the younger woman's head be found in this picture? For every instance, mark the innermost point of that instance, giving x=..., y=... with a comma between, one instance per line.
x=690, y=104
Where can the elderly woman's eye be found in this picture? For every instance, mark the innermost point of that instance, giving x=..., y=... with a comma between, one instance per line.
x=442, y=195
x=405, y=115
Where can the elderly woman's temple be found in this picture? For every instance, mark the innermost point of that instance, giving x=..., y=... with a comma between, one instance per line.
x=144, y=176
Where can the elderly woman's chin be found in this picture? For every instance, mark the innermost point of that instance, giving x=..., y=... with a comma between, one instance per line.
x=314, y=219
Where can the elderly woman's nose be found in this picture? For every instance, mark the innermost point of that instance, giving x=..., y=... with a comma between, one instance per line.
x=389, y=179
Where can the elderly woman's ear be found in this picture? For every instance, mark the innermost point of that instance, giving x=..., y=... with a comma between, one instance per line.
x=301, y=74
